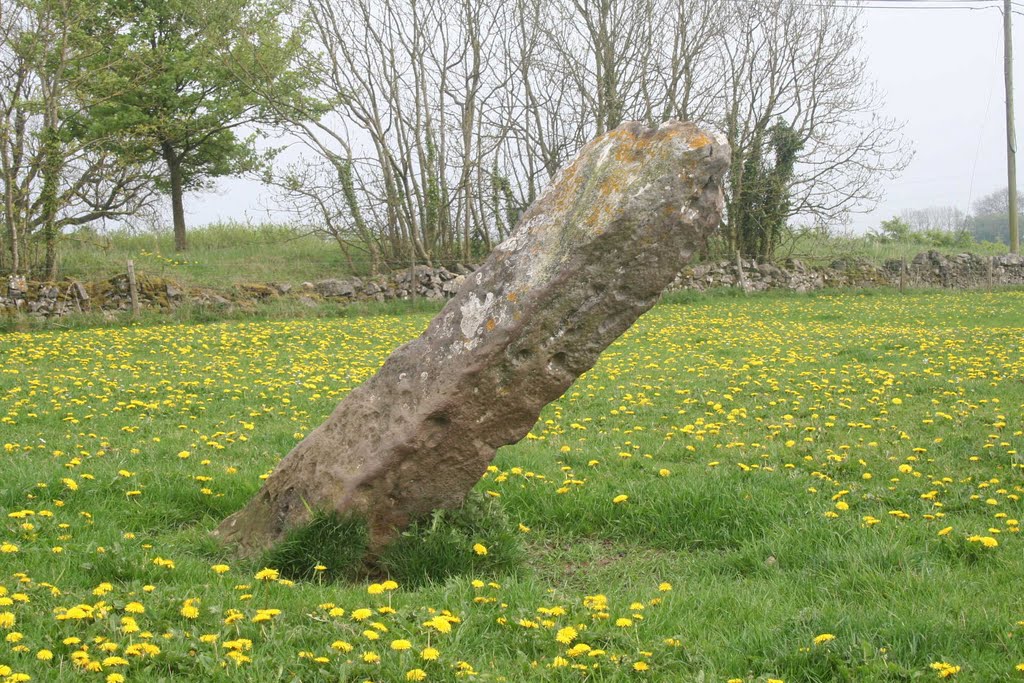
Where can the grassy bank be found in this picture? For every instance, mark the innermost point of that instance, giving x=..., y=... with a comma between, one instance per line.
x=226, y=255
x=818, y=249
x=788, y=488
x=219, y=256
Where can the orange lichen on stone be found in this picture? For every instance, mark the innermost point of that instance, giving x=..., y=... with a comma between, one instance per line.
x=630, y=154
x=699, y=140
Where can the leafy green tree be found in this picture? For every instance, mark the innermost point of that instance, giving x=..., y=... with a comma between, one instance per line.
x=55, y=173
x=893, y=230
x=185, y=84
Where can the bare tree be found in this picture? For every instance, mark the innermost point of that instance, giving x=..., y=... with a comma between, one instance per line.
x=942, y=218
x=801, y=65
x=408, y=83
x=994, y=203
x=444, y=118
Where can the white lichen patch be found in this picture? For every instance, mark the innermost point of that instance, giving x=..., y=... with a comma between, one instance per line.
x=474, y=312
x=643, y=188
x=606, y=148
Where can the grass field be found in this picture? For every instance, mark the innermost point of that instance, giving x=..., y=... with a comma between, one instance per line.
x=820, y=488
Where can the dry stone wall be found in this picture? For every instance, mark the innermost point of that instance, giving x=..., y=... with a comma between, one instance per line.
x=928, y=269
x=46, y=299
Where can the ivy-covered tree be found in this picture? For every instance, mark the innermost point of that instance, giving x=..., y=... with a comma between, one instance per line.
x=183, y=87
x=761, y=204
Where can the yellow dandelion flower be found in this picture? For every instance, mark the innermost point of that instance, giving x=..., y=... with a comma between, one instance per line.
x=189, y=609
x=945, y=669
x=441, y=623
x=566, y=635
x=986, y=541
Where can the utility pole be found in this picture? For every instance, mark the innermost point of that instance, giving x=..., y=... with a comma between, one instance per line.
x=1011, y=136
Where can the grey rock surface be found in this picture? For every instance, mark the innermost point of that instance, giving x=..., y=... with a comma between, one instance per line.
x=589, y=256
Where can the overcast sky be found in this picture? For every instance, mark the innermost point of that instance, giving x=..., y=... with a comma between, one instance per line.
x=940, y=71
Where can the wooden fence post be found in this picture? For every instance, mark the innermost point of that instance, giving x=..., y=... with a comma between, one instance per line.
x=739, y=273
x=133, y=289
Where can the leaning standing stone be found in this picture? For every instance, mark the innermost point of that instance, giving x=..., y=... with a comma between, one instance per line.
x=587, y=259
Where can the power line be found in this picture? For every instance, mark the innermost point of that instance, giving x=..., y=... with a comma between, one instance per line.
x=910, y=5
x=935, y=2
x=970, y=8
x=914, y=5
x=981, y=131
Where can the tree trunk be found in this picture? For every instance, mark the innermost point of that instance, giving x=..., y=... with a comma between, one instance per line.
x=52, y=163
x=589, y=257
x=12, y=229
x=177, y=189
